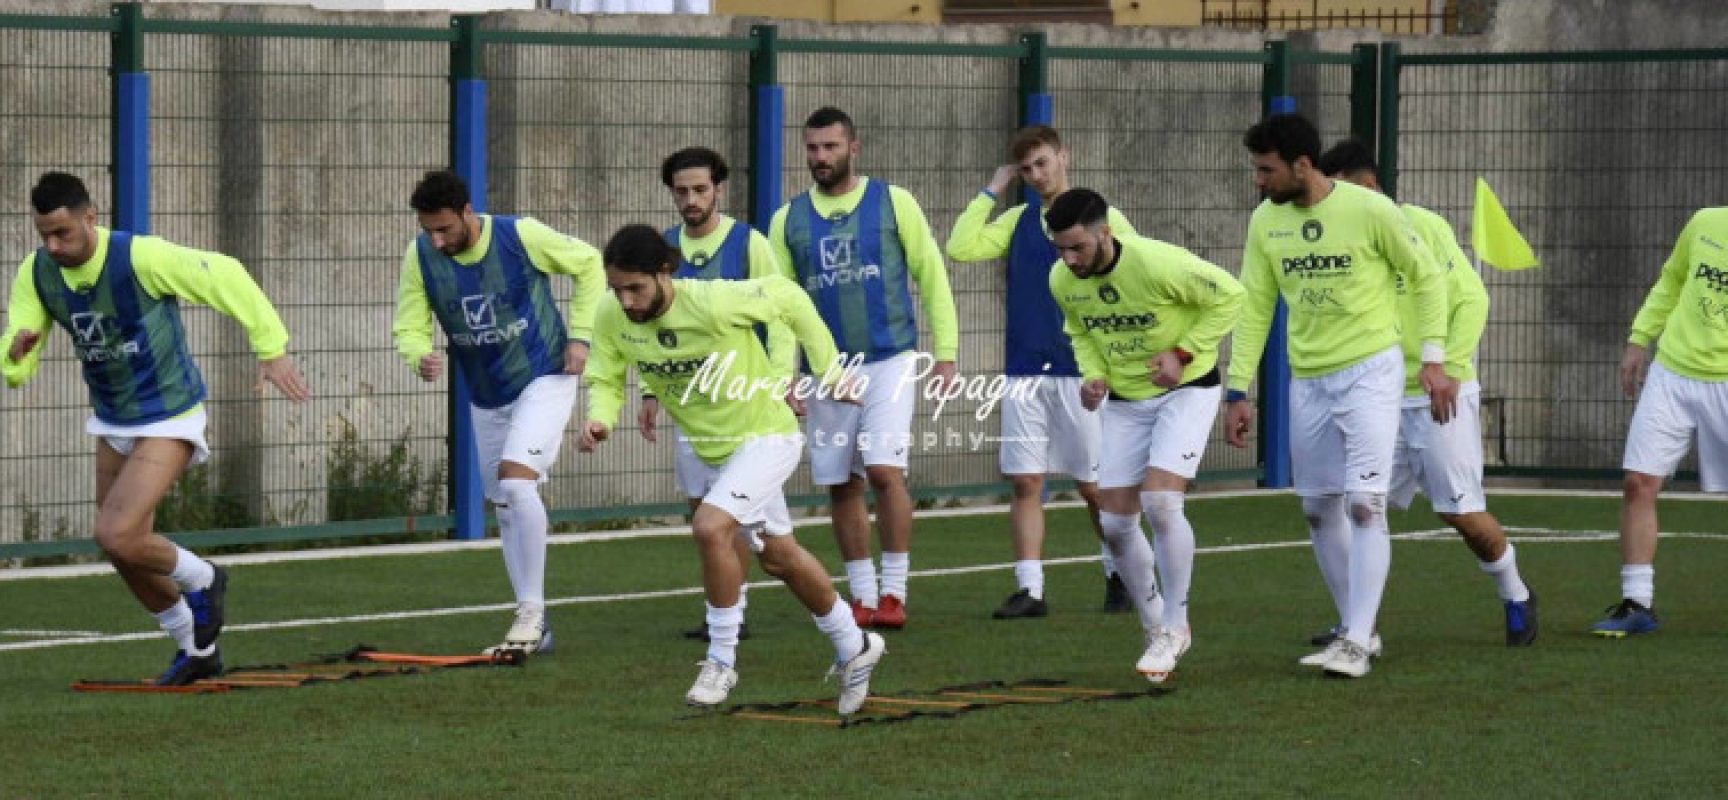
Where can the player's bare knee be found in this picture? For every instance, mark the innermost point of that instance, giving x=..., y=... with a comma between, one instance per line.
x=117, y=537
x=511, y=470
x=779, y=563
x=1641, y=488
x=1026, y=486
x=1366, y=508
x=884, y=479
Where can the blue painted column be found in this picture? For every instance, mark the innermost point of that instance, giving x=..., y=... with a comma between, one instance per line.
x=468, y=159
x=767, y=125
x=1275, y=363
x=131, y=122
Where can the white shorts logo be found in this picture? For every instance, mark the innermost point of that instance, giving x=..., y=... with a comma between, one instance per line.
x=477, y=310
x=836, y=252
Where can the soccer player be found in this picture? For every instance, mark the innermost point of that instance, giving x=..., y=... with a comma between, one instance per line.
x=693, y=342
x=1044, y=427
x=483, y=277
x=118, y=296
x=857, y=245
x=1335, y=252
x=1444, y=462
x=1685, y=393
x=1146, y=319
x=712, y=246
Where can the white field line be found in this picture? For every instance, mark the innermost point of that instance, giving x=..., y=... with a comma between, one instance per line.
x=1532, y=535
x=421, y=548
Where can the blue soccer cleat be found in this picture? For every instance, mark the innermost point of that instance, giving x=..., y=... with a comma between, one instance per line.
x=1521, y=622
x=207, y=609
x=1628, y=618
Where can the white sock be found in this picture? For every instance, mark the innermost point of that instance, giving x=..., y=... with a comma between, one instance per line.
x=1106, y=560
x=1506, y=578
x=1370, y=563
x=1173, y=542
x=1329, y=532
x=1638, y=582
x=861, y=577
x=191, y=573
x=723, y=625
x=177, y=621
x=525, y=538
x=506, y=534
x=895, y=569
x=1029, y=574
x=744, y=595
x=1135, y=563
x=842, y=630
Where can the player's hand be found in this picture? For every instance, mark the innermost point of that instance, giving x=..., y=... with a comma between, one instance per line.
x=431, y=366
x=1005, y=175
x=850, y=389
x=647, y=417
x=1634, y=365
x=593, y=433
x=281, y=373
x=1166, y=369
x=1093, y=392
x=1238, y=419
x=795, y=396
x=942, y=378
x=1442, y=392
x=22, y=344
x=575, y=358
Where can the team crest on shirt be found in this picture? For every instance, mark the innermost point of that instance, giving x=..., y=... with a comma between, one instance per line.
x=699, y=259
x=668, y=339
x=1312, y=230
x=1108, y=294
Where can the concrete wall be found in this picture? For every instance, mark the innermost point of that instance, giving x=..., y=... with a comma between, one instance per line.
x=297, y=156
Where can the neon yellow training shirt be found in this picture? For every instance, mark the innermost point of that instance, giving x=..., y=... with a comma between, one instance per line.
x=1335, y=263
x=1155, y=297
x=1466, y=303
x=976, y=237
x=164, y=269
x=923, y=258
x=725, y=404
x=550, y=251
x=782, y=347
x=1688, y=306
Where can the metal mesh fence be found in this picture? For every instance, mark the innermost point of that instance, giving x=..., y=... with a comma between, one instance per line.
x=54, y=110
x=1162, y=141
x=1600, y=165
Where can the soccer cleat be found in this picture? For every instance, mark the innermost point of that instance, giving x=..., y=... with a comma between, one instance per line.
x=187, y=669
x=713, y=683
x=1021, y=605
x=1628, y=618
x=862, y=614
x=890, y=613
x=1161, y=655
x=1349, y=660
x=206, y=605
x=1116, y=595
x=1521, y=622
x=1325, y=637
x=855, y=674
x=1321, y=658
x=529, y=633
x=700, y=632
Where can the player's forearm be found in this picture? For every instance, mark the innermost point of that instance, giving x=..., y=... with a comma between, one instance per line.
x=1464, y=330
x=17, y=373
x=605, y=398
x=974, y=238
x=782, y=349
x=1652, y=317
x=1216, y=320
x=231, y=290
x=800, y=316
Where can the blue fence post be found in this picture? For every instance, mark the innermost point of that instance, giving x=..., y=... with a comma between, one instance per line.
x=767, y=124
x=130, y=122
x=1037, y=106
x=468, y=159
x=1275, y=363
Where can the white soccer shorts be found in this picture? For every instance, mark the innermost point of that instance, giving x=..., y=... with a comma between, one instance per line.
x=1673, y=408
x=528, y=431
x=750, y=484
x=186, y=427
x=1443, y=462
x=1344, y=426
x=1046, y=430
x=847, y=437
x=1167, y=432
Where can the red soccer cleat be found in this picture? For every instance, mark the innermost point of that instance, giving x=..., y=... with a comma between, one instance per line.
x=891, y=613
x=862, y=614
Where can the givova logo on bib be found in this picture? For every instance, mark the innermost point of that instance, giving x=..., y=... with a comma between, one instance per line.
x=838, y=257
x=91, y=333
x=481, y=318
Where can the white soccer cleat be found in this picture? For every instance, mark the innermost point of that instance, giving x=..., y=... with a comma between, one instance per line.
x=713, y=683
x=1320, y=658
x=529, y=633
x=1162, y=654
x=1350, y=660
x=855, y=674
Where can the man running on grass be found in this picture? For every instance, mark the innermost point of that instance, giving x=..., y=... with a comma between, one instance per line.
x=118, y=296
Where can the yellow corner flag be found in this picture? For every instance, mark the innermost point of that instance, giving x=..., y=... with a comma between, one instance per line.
x=1493, y=236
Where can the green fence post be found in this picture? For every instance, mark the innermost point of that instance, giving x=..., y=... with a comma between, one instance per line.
x=1364, y=92
x=1387, y=148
